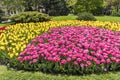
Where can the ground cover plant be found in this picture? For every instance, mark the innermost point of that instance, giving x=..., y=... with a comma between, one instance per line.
x=15, y=38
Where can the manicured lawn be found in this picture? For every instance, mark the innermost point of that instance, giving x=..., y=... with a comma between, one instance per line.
x=69, y=17
x=2, y=24
x=21, y=75
x=108, y=18
x=5, y=24
x=12, y=74
x=99, y=18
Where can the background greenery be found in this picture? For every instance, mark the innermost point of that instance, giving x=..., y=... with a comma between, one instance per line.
x=60, y=7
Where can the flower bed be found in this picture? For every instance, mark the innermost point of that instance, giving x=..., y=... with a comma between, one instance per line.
x=16, y=37
x=74, y=49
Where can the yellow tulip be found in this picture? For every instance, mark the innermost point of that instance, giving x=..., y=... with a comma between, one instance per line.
x=2, y=48
x=11, y=55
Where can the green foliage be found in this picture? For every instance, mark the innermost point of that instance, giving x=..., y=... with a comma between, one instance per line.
x=88, y=6
x=1, y=14
x=69, y=68
x=97, y=11
x=3, y=57
x=116, y=14
x=31, y=5
x=70, y=5
x=26, y=17
x=55, y=7
x=86, y=16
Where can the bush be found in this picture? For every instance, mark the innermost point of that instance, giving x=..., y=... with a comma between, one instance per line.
x=116, y=14
x=26, y=17
x=86, y=16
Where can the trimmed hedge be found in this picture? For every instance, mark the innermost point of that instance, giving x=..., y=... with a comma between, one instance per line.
x=26, y=17
x=86, y=16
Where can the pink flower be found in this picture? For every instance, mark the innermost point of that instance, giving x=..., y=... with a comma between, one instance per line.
x=34, y=60
x=82, y=65
x=63, y=62
x=69, y=59
x=97, y=62
x=76, y=63
x=88, y=63
x=79, y=59
x=105, y=69
x=20, y=59
x=113, y=58
x=108, y=61
x=117, y=60
x=84, y=58
x=103, y=61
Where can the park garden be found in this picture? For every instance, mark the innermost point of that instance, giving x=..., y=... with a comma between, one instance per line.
x=60, y=40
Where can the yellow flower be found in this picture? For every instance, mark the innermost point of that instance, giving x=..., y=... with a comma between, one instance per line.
x=16, y=54
x=2, y=47
x=11, y=55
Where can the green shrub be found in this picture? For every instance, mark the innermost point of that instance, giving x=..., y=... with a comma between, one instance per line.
x=26, y=17
x=3, y=57
x=1, y=15
x=116, y=14
x=85, y=16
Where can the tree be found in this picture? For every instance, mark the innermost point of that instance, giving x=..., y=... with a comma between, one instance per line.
x=32, y=5
x=116, y=5
x=88, y=5
x=55, y=7
x=70, y=5
x=12, y=6
x=111, y=6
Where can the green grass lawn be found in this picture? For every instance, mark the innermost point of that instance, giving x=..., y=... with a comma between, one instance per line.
x=5, y=24
x=73, y=17
x=69, y=17
x=99, y=18
x=1, y=24
x=21, y=75
x=108, y=18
